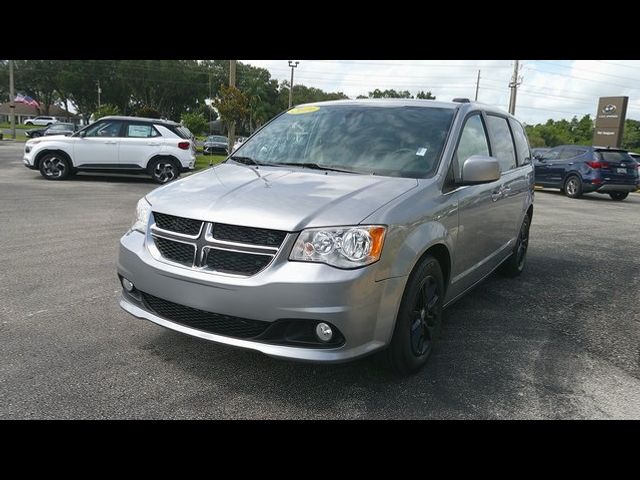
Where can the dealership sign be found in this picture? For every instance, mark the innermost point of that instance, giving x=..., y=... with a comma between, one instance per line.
x=610, y=118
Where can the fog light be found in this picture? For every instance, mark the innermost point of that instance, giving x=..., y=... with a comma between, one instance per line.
x=127, y=285
x=323, y=332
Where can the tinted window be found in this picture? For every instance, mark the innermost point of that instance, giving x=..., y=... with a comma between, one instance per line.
x=402, y=141
x=109, y=128
x=473, y=141
x=615, y=156
x=141, y=130
x=522, y=143
x=502, y=144
x=571, y=152
x=552, y=154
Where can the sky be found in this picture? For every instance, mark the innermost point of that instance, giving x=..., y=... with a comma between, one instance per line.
x=554, y=89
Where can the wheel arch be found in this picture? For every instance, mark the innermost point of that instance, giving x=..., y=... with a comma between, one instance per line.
x=47, y=151
x=163, y=156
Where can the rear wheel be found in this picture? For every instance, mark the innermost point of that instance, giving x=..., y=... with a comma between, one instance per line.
x=573, y=187
x=54, y=166
x=163, y=170
x=618, y=196
x=419, y=318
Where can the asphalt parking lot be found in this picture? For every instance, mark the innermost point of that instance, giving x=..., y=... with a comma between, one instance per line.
x=561, y=341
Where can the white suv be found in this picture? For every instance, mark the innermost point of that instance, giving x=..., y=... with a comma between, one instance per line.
x=160, y=148
x=40, y=121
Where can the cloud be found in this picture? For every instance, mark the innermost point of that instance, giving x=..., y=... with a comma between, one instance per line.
x=549, y=89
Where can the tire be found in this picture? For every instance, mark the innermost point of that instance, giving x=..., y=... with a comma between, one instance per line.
x=514, y=265
x=618, y=196
x=164, y=170
x=419, y=319
x=54, y=166
x=573, y=187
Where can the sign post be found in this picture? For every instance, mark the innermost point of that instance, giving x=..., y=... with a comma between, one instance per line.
x=610, y=117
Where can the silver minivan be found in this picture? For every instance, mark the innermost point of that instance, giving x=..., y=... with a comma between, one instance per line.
x=338, y=229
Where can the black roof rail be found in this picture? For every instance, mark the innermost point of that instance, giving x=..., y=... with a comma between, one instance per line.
x=461, y=100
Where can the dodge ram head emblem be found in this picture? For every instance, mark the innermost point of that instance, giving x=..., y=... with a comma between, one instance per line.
x=609, y=109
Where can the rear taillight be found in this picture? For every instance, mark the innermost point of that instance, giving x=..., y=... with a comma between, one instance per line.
x=184, y=145
x=597, y=164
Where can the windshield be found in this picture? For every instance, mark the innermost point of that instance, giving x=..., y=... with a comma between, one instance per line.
x=402, y=141
x=217, y=138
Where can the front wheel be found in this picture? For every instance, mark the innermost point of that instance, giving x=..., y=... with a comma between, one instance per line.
x=55, y=167
x=514, y=265
x=163, y=170
x=419, y=318
x=618, y=196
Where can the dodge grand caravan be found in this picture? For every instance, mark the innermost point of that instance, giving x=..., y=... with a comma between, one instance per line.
x=338, y=229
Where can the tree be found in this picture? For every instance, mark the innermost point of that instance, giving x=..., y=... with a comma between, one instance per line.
x=232, y=105
x=196, y=122
x=377, y=93
x=106, y=110
x=425, y=96
x=148, y=112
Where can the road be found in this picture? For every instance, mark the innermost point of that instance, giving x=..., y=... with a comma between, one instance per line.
x=561, y=341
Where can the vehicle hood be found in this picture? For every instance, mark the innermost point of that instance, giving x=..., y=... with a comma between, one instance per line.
x=49, y=138
x=277, y=197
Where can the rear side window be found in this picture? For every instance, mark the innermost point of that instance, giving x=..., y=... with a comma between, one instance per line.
x=614, y=156
x=141, y=130
x=522, y=143
x=572, y=152
x=473, y=141
x=503, y=149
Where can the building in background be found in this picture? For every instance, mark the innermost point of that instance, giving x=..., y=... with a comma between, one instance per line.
x=24, y=112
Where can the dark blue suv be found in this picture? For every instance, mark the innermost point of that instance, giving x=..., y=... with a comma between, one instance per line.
x=576, y=169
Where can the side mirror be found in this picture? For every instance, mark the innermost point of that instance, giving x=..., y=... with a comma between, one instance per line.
x=82, y=133
x=480, y=169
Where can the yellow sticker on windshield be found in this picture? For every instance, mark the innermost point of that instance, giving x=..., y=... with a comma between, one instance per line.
x=299, y=110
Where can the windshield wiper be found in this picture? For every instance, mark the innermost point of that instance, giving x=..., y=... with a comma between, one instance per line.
x=245, y=160
x=316, y=166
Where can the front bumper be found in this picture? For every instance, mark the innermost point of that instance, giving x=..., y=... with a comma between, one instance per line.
x=362, y=309
x=27, y=158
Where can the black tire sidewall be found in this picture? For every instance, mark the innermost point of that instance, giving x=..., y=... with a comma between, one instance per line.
x=579, y=192
x=619, y=196
x=152, y=166
x=400, y=354
x=63, y=158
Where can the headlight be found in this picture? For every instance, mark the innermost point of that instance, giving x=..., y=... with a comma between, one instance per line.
x=33, y=142
x=342, y=247
x=143, y=210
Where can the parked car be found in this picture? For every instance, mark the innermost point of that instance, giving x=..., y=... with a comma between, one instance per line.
x=36, y=132
x=339, y=229
x=538, y=152
x=41, y=120
x=239, y=141
x=160, y=148
x=578, y=169
x=60, y=128
x=216, y=144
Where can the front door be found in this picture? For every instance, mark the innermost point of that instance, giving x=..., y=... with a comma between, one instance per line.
x=479, y=238
x=98, y=148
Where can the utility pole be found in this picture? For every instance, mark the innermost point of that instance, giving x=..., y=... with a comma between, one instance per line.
x=12, y=102
x=232, y=125
x=99, y=92
x=477, y=85
x=513, y=85
x=292, y=65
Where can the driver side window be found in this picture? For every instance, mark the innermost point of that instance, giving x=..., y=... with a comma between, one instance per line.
x=473, y=141
x=105, y=129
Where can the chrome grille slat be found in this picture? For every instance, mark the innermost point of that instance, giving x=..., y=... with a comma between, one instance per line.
x=211, y=254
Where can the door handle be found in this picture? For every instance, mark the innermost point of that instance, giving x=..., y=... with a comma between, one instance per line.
x=110, y=142
x=153, y=144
